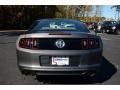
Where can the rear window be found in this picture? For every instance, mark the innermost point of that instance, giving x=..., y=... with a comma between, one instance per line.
x=65, y=25
x=109, y=22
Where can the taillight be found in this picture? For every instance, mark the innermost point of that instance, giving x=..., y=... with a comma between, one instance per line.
x=29, y=43
x=89, y=43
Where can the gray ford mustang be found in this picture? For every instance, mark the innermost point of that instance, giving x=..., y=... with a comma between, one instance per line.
x=59, y=47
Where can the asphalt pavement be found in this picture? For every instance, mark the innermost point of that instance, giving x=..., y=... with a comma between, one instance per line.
x=10, y=75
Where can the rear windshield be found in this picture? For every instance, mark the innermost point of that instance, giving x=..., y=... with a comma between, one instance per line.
x=58, y=25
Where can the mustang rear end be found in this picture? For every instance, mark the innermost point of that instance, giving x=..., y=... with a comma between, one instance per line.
x=59, y=53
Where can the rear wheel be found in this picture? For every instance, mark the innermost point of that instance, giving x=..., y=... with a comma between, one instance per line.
x=102, y=31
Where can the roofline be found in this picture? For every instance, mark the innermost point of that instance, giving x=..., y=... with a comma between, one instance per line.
x=56, y=19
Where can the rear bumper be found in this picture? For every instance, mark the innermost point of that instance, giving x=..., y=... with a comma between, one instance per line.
x=89, y=61
x=62, y=71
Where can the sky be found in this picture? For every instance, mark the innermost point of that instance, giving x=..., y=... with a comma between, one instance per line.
x=108, y=12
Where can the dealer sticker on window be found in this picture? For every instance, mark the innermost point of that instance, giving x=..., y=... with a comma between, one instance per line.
x=60, y=60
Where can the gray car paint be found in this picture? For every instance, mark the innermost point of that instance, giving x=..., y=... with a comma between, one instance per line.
x=29, y=59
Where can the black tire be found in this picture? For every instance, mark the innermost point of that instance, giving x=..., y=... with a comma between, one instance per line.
x=117, y=32
x=97, y=31
x=102, y=31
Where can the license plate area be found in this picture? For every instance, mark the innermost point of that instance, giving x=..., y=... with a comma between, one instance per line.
x=46, y=61
x=59, y=60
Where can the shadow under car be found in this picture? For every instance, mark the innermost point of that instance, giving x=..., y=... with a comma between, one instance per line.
x=106, y=72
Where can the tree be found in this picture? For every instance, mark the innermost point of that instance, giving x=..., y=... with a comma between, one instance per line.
x=73, y=11
x=22, y=16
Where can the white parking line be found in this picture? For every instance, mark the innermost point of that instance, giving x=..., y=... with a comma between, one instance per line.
x=105, y=38
x=99, y=33
x=109, y=36
x=12, y=30
x=117, y=37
